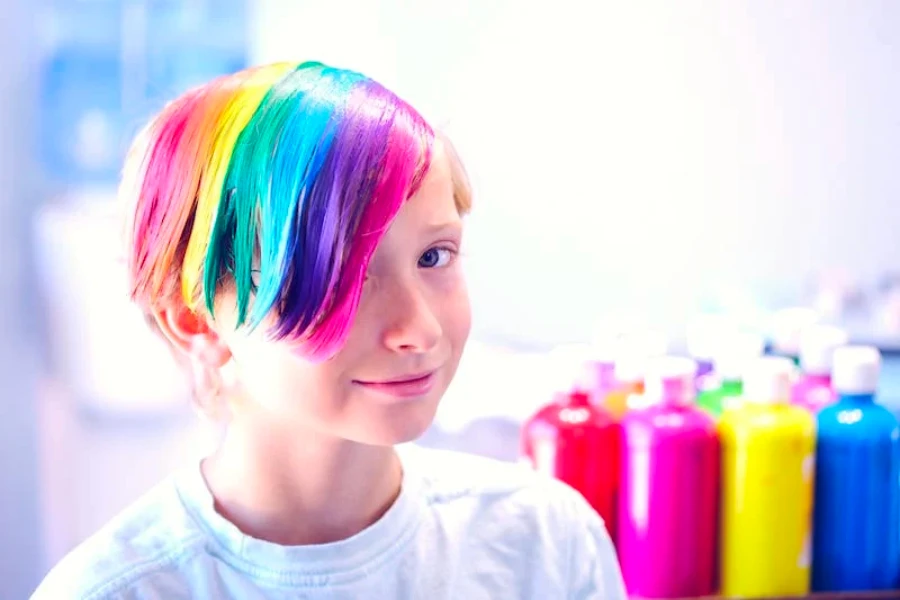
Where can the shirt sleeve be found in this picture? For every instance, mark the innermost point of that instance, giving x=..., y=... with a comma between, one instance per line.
x=594, y=572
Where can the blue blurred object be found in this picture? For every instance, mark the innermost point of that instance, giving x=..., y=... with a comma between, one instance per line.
x=82, y=120
x=856, y=535
x=108, y=65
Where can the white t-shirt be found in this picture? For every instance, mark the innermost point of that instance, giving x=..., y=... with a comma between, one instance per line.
x=462, y=527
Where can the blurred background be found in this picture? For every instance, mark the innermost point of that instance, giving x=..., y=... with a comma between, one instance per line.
x=633, y=163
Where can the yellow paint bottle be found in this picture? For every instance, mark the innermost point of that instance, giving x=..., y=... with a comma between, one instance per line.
x=768, y=454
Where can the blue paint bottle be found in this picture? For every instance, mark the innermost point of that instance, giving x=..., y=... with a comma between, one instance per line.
x=856, y=535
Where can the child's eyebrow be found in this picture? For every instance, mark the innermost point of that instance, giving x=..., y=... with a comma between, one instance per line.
x=437, y=228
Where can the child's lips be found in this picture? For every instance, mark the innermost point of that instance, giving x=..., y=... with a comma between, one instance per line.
x=406, y=386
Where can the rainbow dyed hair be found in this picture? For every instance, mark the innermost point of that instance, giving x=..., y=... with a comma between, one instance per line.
x=279, y=181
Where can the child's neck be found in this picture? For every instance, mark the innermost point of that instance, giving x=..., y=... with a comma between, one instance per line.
x=298, y=487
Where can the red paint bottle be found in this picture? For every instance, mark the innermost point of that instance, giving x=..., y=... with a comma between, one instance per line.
x=578, y=443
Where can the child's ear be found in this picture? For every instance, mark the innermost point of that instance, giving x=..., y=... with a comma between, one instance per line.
x=192, y=335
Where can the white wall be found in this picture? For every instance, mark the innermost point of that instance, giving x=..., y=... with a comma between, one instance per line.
x=639, y=154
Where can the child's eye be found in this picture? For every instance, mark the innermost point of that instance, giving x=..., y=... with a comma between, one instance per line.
x=434, y=258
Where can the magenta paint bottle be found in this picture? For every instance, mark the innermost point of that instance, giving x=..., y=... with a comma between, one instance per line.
x=668, y=505
x=813, y=390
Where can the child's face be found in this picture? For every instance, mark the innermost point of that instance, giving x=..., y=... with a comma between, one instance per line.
x=412, y=323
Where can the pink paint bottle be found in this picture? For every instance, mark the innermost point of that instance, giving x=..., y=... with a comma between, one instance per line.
x=813, y=390
x=600, y=376
x=668, y=504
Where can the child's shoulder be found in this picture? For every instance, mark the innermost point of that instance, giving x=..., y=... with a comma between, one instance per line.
x=454, y=478
x=449, y=472
x=152, y=535
x=495, y=511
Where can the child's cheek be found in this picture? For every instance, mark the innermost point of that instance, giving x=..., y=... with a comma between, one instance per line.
x=448, y=280
x=450, y=299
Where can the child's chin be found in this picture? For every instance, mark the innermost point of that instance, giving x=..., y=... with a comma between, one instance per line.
x=397, y=430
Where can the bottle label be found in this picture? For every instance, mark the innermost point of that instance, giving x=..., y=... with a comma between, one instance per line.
x=805, y=558
x=809, y=470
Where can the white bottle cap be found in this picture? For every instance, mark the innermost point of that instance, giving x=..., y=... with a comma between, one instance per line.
x=633, y=353
x=603, y=350
x=787, y=325
x=568, y=367
x=767, y=380
x=817, y=346
x=670, y=379
x=736, y=353
x=856, y=370
x=706, y=333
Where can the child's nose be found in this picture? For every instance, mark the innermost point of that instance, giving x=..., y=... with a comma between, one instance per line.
x=413, y=325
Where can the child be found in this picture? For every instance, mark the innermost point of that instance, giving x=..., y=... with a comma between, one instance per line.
x=294, y=236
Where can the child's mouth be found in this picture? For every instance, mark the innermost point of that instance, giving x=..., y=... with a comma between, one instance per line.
x=405, y=386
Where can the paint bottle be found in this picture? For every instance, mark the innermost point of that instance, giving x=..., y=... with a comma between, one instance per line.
x=725, y=385
x=786, y=329
x=813, y=390
x=767, y=487
x=857, y=514
x=632, y=355
x=601, y=369
x=577, y=442
x=602, y=379
x=629, y=383
x=668, y=503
